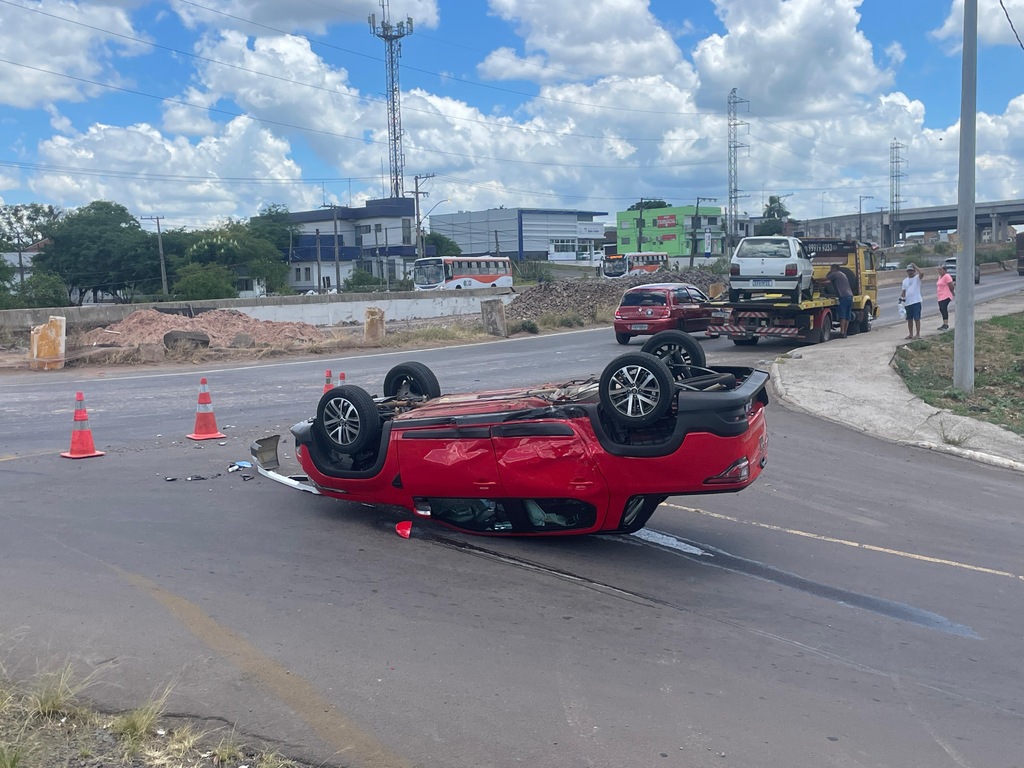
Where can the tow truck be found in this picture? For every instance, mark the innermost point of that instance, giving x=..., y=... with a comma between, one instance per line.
x=776, y=315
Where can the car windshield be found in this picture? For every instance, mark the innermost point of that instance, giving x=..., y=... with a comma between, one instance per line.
x=763, y=249
x=644, y=299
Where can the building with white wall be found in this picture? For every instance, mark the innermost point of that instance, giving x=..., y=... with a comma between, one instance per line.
x=525, y=233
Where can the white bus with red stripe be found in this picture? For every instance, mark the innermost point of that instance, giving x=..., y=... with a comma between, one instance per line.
x=436, y=273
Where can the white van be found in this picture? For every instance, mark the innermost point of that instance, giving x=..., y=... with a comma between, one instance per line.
x=772, y=264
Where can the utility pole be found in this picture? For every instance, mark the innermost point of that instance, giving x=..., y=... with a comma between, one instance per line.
x=963, y=339
x=696, y=225
x=337, y=254
x=860, y=215
x=419, y=221
x=896, y=175
x=160, y=247
x=640, y=228
x=319, y=276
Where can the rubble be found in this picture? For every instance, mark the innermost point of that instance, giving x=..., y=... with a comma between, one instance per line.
x=586, y=296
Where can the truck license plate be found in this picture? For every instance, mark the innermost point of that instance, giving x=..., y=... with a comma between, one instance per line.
x=638, y=327
x=762, y=282
x=721, y=313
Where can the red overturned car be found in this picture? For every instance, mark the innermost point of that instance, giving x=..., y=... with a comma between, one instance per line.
x=594, y=455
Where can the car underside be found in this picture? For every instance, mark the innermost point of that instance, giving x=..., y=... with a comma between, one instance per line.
x=598, y=454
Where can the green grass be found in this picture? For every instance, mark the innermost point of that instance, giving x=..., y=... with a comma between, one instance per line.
x=998, y=397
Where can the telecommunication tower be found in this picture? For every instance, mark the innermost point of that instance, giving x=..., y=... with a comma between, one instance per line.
x=734, y=123
x=896, y=174
x=392, y=35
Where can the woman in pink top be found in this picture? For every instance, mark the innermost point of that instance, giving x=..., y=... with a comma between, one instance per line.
x=944, y=288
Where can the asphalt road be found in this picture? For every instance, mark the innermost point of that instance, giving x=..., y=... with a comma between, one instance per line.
x=861, y=604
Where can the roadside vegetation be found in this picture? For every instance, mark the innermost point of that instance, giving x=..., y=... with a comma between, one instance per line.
x=998, y=397
x=47, y=721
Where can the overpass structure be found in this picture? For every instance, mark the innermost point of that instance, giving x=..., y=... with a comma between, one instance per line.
x=992, y=221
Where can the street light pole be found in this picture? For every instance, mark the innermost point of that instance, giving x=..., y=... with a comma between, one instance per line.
x=420, y=247
x=860, y=215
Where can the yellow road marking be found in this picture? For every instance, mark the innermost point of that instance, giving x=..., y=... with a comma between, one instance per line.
x=854, y=544
x=358, y=747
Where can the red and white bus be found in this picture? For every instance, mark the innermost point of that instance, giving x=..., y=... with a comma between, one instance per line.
x=640, y=263
x=434, y=273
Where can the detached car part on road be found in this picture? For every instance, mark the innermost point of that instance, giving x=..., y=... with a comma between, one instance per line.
x=584, y=456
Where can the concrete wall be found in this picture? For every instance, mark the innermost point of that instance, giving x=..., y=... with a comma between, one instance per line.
x=316, y=310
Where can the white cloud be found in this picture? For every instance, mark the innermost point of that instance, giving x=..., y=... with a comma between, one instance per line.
x=994, y=28
x=611, y=37
x=152, y=174
x=268, y=16
x=790, y=52
x=46, y=46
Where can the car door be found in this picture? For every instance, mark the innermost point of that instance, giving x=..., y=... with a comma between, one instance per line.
x=448, y=461
x=548, y=460
x=690, y=306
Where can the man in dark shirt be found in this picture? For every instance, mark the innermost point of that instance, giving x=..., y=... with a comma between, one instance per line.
x=841, y=287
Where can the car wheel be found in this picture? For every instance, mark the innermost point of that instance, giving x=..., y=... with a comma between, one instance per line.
x=347, y=419
x=638, y=511
x=746, y=342
x=866, y=318
x=411, y=379
x=622, y=338
x=636, y=389
x=678, y=350
x=825, y=332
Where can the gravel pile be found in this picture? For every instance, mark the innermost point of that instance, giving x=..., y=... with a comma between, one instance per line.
x=584, y=295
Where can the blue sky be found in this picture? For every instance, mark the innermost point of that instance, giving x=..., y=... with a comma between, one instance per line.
x=201, y=111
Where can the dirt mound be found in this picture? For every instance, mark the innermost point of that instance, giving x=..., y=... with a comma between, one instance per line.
x=585, y=295
x=225, y=327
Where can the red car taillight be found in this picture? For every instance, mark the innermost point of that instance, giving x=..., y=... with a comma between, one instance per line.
x=734, y=269
x=737, y=472
x=618, y=314
x=791, y=270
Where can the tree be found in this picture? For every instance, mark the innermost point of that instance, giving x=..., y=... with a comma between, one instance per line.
x=272, y=225
x=443, y=246
x=204, y=281
x=101, y=249
x=234, y=247
x=643, y=205
x=775, y=209
x=22, y=226
x=43, y=289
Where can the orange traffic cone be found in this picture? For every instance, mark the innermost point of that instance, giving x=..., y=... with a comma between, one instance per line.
x=206, y=422
x=341, y=379
x=81, y=436
x=328, y=382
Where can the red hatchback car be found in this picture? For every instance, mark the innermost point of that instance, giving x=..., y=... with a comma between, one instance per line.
x=586, y=456
x=649, y=309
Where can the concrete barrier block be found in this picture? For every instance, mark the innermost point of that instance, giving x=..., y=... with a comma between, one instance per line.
x=373, y=325
x=48, y=343
x=492, y=313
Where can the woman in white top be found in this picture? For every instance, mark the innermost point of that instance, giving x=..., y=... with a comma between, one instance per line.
x=911, y=299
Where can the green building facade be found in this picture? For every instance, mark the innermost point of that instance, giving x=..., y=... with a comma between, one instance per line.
x=676, y=230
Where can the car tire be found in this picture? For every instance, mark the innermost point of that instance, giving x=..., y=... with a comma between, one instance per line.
x=347, y=420
x=866, y=318
x=825, y=332
x=636, y=389
x=751, y=342
x=637, y=512
x=678, y=350
x=623, y=338
x=409, y=380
